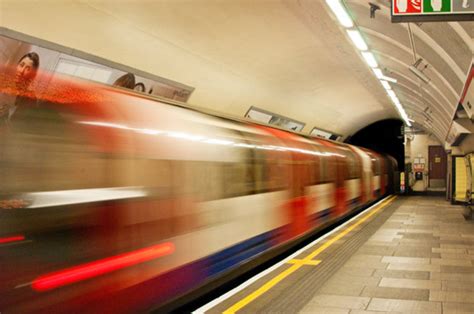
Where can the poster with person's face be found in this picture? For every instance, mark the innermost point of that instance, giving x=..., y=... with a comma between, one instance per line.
x=23, y=60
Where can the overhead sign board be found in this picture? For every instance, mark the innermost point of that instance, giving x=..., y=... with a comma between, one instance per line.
x=432, y=10
x=267, y=117
x=325, y=134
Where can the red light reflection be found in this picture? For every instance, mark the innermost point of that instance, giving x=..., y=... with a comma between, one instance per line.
x=12, y=239
x=100, y=267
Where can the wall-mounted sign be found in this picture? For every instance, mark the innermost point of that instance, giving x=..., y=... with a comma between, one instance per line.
x=325, y=134
x=80, y=65
x=432, y=10
x=267, y=117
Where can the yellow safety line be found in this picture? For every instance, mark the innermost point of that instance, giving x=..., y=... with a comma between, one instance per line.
x=303, y=262
x=307, y=260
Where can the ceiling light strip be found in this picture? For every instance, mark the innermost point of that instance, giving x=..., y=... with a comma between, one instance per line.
x=339, y=10
x=357, y=39
x=370, y=59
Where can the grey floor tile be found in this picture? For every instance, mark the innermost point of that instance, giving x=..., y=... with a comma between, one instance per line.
x=457, y=269
x=457, y=308
x=376, y=250
x=451, y=285
x=356, y=271
x=405, y=260
x=451, y=251
x=370, y=312
x=396, y=293
x=346, y=302
x=384, y=243
x=420, y=227
x=419, y=236
x=405, y=306
x=414, y=229
x=416, y=252
x=366, y=258
x=457, y=246
x=345, y=279
x=458, y=241
x=384, y=238
x=434, y=243
x=451, y=262
x=415, y=267
x=340, y=288
x=410, y=283
x=456, y=256
x=452, y=276
x=324, y=310
x=375, y=265
x=452, y=296
x=407, y=274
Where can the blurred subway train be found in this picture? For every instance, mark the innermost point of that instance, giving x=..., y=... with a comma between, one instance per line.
x=115, y=201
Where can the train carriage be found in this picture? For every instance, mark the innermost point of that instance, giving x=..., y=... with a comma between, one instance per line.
x=126, y=202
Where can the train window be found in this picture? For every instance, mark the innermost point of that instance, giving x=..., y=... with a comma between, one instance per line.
x=315, y=167
x=42, y=151
x=376, y=167
x=271, y=170
x=315, y=174
x=237, y=179
x=327, y=169
x=353, y=165
x=267, y=168
x=199, y=180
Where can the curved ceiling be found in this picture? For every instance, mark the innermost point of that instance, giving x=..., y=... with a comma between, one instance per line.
x=446, y=50
x=288, y=57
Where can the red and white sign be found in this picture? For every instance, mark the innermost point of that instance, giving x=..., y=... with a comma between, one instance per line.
x=407, y=6
x=418, y=167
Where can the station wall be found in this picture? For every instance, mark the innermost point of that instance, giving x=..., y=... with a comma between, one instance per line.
x=235, y=54
x=80, y=26
x=418, y=148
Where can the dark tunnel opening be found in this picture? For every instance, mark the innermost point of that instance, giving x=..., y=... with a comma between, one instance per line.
x=385, y=136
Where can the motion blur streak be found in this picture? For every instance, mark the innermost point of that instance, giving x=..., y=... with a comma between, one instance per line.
x=100, y=267
x=12, y=239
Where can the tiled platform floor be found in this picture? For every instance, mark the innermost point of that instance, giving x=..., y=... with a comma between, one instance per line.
x=420, y=261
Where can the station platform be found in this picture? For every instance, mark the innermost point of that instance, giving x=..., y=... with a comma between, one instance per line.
x=405, y=254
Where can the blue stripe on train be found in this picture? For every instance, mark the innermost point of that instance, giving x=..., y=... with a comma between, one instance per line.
x=236, y=254
x=321, y=215
x=353, y=201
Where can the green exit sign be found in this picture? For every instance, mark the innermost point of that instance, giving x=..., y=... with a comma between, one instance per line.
x=432, y=10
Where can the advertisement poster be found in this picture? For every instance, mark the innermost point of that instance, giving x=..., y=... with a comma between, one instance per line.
x=22, y=57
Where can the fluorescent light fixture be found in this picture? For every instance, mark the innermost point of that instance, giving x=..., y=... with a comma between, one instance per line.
x=390, y=79
x=380, y=76
x=422, y=76
x=386, y=85
x=378, y=73
x=370, y=59
x=405, y=117
x=357, y=39
x=392, y=94
x=398, y=105
x=340, y=12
